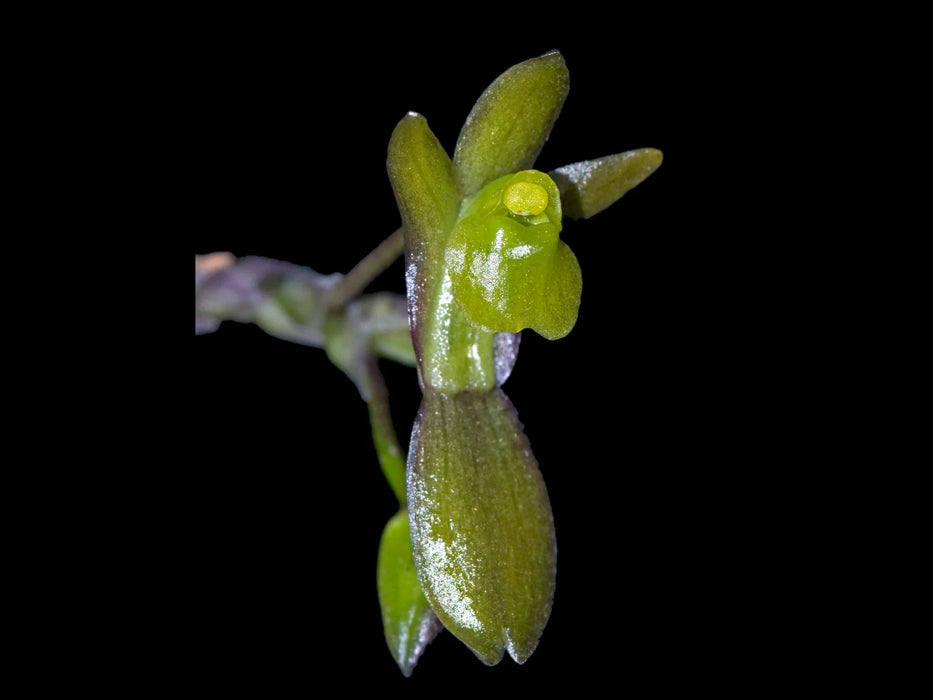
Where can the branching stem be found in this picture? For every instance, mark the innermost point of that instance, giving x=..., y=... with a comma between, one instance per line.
x=367, y=269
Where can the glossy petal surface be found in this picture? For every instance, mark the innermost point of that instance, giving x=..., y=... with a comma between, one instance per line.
x=511, y=121
x=508, y=267
x=407, y=618
x=428, y=200
x=481, y=524
x=590, y=186
x=452, y=353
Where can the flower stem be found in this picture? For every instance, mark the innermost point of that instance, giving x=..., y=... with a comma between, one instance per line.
x=391, y=457
x=367, y=269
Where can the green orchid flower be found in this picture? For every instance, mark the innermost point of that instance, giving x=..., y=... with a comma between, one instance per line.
x=484, y=261
x=472, y=546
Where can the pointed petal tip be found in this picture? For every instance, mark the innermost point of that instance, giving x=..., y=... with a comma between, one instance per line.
x=492, y=656
x=521, y=649
x=556, y=58
x=588, y=187
x=489, y=657
x=519, y=657
x=405, y=668
x=653, y=157
x=407, y=658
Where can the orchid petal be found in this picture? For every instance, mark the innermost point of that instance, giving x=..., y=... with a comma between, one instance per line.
x=481, y=525
x=588, y=187
x=510, y=121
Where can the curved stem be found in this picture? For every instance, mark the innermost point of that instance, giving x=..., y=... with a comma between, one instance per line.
x=367, y=269
x=391, y=458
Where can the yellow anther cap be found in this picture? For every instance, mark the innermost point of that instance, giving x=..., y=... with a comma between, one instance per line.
x=525, y=198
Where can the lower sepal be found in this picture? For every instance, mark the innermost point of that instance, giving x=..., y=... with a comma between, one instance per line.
x=482, y=531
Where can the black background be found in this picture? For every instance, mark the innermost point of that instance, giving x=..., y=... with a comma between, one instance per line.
x=657, y=422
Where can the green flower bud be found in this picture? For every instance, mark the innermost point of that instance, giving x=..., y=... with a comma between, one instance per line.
x=407, y=619
x=508, y=267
